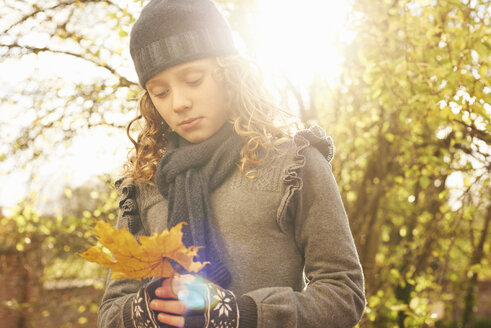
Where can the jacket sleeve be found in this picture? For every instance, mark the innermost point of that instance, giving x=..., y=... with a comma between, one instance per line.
x=115, y=308
x=334, y=295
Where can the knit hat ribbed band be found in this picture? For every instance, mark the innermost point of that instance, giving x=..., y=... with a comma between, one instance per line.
x=172, y=32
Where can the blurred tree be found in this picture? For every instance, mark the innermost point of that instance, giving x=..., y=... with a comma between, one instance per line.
x=39, y=249
x=70, y=38
x=411, y=119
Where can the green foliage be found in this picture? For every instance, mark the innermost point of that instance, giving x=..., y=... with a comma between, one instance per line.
x=47, y=249
x=63, y=235
x=410, y=119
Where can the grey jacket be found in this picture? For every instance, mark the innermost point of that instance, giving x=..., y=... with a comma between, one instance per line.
x=286, y=237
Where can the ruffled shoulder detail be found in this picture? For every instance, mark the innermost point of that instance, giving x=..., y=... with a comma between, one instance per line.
x=314, y=136
x=317, y=137
x=128, y=206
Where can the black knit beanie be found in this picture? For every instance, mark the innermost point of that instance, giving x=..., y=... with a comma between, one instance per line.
x=171, y=32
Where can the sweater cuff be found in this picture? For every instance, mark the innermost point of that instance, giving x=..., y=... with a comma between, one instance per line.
x=247, y=312
x=127, y=320
x=140, y=302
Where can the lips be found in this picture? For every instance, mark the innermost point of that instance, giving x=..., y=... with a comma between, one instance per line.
x=189, y=121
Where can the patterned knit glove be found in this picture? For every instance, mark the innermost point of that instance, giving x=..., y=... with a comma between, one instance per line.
x=142, y=316
x=210, y=305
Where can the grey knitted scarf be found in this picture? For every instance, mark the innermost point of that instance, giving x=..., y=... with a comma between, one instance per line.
x=186, y=176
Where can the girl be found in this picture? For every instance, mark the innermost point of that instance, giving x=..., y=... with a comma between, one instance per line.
x=264, y=205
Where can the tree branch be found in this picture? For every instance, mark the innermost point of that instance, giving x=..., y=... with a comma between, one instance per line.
x=475, y=132
x=122, y=80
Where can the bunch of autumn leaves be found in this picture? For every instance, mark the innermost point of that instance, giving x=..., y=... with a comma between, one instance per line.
x=145, y=258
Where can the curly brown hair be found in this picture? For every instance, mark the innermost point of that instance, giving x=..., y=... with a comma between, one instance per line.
x=262, y=125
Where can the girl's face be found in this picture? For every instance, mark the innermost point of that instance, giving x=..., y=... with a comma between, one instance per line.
x=189, y=99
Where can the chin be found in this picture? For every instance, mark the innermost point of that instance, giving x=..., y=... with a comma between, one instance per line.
x=195, y=139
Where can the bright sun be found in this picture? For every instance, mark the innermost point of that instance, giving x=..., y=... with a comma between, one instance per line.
x=302, y=38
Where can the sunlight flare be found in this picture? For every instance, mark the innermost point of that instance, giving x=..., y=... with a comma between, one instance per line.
x=302, y=39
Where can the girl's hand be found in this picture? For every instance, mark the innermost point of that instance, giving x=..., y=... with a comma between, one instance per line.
x=171, y=301
x=185, y=300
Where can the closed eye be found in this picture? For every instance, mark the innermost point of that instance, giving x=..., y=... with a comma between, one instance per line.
x=162, y=94
x=194, y=82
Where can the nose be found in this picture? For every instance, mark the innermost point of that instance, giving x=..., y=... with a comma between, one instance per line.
x=181, y=100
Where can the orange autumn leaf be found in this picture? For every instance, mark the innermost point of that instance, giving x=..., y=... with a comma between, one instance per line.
x=146, y=259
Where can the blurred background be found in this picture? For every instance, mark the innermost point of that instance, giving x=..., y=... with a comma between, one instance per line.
x=402, y=86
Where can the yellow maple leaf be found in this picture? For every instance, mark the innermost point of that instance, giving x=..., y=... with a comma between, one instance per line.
x=146, y=259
